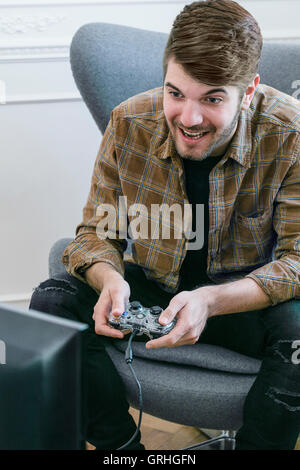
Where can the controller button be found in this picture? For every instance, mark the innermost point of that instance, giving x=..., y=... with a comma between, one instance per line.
x=156, y=310
x=140, y=316
x=135, y=305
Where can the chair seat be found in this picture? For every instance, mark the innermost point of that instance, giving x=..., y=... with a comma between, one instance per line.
x=185, y=394
x=199, y=355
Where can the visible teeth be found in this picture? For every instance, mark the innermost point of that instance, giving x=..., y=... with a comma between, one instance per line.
x=193, y=135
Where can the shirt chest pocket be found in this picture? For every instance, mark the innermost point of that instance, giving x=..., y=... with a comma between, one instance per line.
x=252, y=237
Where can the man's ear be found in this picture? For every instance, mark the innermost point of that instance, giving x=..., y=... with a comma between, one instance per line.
x=248, y=95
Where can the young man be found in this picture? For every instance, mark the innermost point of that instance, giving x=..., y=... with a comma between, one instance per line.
x=211, y=136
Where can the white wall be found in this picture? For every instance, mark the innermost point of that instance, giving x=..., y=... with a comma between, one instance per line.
x=48, y=139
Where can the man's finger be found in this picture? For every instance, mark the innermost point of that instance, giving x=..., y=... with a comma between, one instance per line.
x=118, y=306
x=101, y=315
x=176, y=304
x=169, y=340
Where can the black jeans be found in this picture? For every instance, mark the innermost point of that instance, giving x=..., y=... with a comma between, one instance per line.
x=272, y=408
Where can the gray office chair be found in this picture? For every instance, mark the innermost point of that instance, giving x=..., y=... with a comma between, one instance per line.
x=200, y=385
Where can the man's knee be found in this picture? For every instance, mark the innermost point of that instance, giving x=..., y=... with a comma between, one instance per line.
x=65, y=298
x=57, y=286
x=51, y=295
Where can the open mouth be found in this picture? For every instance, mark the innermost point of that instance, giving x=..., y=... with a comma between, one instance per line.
x=193, y=136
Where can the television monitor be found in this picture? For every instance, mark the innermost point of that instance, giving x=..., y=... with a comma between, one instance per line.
x=41, y=381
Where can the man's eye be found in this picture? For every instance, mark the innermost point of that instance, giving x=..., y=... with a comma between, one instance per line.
x=213, y=100
x=176, y=94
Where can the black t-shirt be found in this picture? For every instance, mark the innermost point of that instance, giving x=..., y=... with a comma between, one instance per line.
x=193, y=269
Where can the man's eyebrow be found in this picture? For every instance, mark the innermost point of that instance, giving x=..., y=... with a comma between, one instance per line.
x=168, y=84
x=209, y=92
x=216, y=90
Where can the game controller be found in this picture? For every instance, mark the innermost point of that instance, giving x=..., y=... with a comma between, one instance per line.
x=143, y=320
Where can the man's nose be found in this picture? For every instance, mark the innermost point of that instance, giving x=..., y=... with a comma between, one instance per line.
x=191, y=115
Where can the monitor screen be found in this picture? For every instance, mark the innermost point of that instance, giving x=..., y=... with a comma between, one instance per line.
x=41, y=383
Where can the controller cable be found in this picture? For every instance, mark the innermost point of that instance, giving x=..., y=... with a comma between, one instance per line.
x=129, y=359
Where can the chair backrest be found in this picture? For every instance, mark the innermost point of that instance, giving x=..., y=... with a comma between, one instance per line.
x=111, y=62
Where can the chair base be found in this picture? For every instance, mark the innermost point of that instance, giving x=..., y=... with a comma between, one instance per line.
x=225, y=441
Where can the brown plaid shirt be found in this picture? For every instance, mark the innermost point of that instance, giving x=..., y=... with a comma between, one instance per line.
x=254, y=198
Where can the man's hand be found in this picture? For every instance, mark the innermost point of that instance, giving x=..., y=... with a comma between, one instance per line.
x=191, y=308
x=113, y=298
x=194, y=307
x=115, y=293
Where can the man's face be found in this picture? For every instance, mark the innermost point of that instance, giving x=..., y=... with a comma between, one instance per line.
x=202, y=119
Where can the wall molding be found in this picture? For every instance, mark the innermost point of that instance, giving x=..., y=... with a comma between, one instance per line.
x=282, y=34
x=29, y=98
x=27, y=23
x=34, y=53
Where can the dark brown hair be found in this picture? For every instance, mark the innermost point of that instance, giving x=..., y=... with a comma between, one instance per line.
x=217, y=42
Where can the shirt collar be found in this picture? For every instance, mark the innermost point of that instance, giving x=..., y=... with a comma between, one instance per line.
x=166, y=148
x=241, y=144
